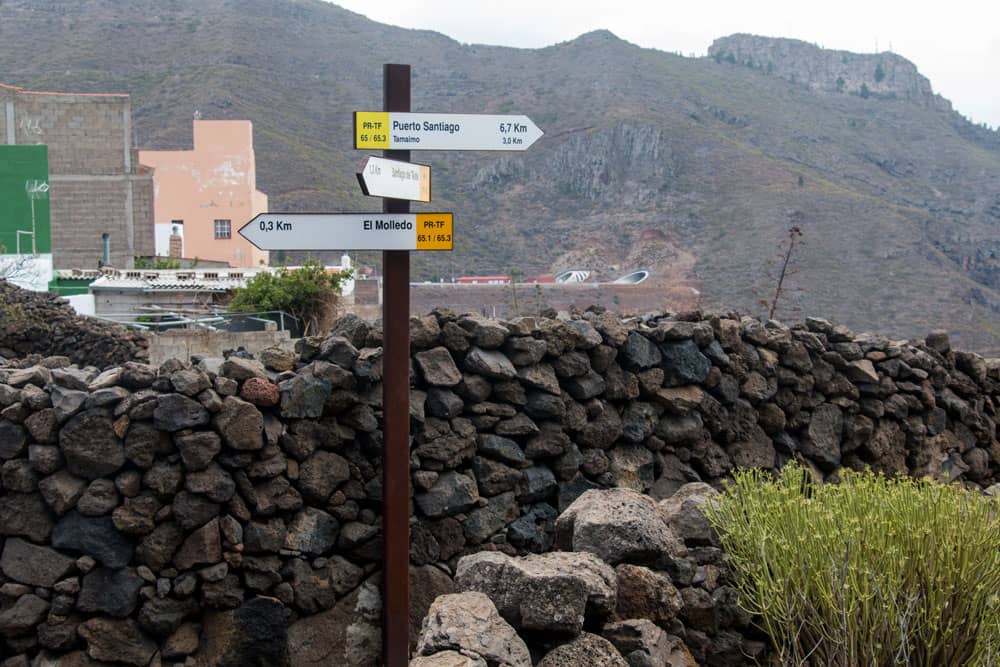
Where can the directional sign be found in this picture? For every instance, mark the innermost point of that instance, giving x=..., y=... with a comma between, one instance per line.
x=389, y=130
x=380, y=177
x=350, y=231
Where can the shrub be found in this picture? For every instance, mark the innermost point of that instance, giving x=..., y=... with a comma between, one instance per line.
x=870, y=571
x=308, y=293
x=157, y=263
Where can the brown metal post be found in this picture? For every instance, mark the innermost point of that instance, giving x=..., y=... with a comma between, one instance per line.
x=396, y=410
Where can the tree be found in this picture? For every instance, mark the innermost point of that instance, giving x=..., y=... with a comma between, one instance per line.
x=787, y=270
x=21, y=270
x=514, y=275
x=840, y=84
x=156, y=263
x=864, y=91
x=308, y=293
x=879, y=72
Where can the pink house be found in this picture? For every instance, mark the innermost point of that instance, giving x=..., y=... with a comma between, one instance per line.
x=206, y=194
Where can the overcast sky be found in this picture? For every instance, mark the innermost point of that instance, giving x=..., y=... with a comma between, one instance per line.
x=956, y=44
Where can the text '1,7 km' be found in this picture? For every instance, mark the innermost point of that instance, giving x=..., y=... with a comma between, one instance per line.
x=380, y=177
x=390, y=130
x=351, y=231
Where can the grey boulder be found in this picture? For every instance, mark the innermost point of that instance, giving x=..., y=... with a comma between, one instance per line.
x=684, y=514
x=619, y=526
x=448, y=659
x=34, y=565
x=469, y=622
x=541, y=592
x=587, y=649
x=644, y=644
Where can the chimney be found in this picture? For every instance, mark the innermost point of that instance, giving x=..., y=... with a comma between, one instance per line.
x=176, y=245
x=105, y=249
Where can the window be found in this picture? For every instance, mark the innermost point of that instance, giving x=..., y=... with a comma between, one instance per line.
x=223, y=229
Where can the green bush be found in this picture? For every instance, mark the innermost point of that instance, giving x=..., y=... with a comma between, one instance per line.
x=308, y=293
x=157, y=263
x=870, y=571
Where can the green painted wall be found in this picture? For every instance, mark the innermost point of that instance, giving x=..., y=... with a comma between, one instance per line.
x=70, y=286
x=19, y=165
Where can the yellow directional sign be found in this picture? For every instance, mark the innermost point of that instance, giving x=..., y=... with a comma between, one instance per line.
x=434, y=231
x=371, y=129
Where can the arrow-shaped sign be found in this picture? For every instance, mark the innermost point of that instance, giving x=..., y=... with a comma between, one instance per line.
x=380, y=177
x=350, y=231
x=390, y=130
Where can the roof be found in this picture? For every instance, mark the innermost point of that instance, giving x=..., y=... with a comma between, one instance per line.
x=215, y=280
x=22, y=91
x=173, y=280
x=483, y=279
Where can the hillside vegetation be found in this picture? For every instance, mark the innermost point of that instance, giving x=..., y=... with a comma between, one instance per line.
x=693, y=167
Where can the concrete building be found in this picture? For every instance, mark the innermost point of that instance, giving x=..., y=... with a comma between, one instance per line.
x=96, y=185
x=133, y=292
x=206, y=194
x=125, y=295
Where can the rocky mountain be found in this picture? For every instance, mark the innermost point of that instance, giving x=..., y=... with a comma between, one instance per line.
x=692, y=167
x=881, y=74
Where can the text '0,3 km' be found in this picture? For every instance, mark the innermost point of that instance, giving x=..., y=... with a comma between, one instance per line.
x=390, y=130
x=351, y=231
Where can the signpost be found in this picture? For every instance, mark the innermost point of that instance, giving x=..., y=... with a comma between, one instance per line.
x=391, y=178
x=396, y=409
x=396, y=232
x=396, y=131
x=443, y=131
x=350, y=231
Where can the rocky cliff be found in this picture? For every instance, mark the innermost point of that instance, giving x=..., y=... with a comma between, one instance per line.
x=229, y=512
x=827, y=70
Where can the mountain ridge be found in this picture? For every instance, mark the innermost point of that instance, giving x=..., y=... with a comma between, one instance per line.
x=646, y=155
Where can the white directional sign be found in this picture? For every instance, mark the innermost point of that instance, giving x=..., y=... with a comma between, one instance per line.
x=390, y=130
x=380, y=177
x=350, y=231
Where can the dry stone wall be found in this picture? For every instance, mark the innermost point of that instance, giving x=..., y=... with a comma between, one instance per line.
x=228, y=512
x=42, y=324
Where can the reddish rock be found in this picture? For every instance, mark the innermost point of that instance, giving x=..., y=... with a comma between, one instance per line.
x=643, y=593
x=260, y=392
